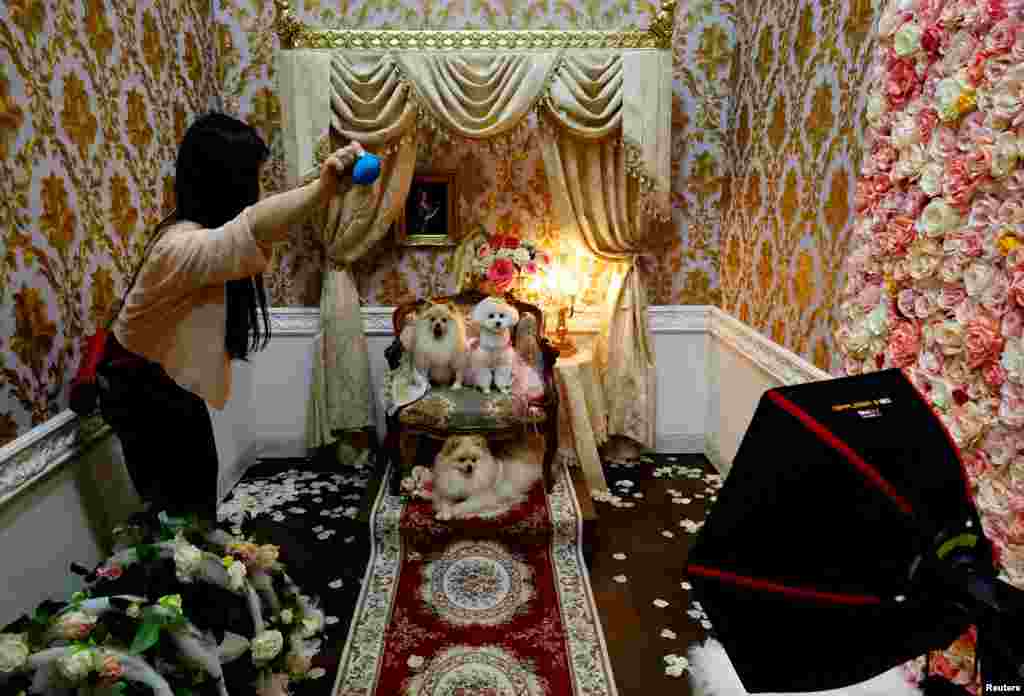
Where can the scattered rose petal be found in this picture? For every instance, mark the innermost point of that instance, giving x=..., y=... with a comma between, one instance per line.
x=331, y=620
x=316, y=673
x=349, y=540
x=706, y=624
x=668, y=633
x=619, y=556
x=660, y=603
x=638, y=495
x=686, y=586
x=667, y=534
x=335, y=584
x=319, y=528
x=620, y=579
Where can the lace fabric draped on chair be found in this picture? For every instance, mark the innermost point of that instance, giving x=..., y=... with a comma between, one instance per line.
x=607, y=115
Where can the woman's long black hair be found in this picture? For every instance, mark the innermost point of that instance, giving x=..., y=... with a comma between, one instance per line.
x=217, y=177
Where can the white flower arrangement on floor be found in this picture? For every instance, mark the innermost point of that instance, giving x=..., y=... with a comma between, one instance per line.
x=172, y=612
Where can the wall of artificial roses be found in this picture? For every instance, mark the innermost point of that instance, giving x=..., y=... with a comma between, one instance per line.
x=935, y=273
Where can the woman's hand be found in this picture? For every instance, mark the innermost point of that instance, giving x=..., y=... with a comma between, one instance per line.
x=337, y=166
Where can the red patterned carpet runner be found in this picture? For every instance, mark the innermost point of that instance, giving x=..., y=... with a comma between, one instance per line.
x=483, y=607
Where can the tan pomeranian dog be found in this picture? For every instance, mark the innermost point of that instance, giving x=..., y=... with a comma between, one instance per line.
x=436, y=340
x=470, y=480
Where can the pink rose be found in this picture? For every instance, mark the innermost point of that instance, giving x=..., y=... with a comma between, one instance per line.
x=1011, y=407
x=864, y=197
x=1015, y=532
x=1013, y=324
x=869, y=297
x=883, y=156
x=902, y=82
x=111, y=572
x=926, y=120
x=484, y=251
x=944, y=145
x=1001, y=37
x=976, y=464
x=901, y=233
x=1016, y=289
x=984, y=211
x=502, y=273
x=932, y=39
x=994, y=375
x=904, y=344
x=905, y=302
x=75, y=625
x=1011, y=211
x=111, y=668
x=951, y=296
x=531, y=268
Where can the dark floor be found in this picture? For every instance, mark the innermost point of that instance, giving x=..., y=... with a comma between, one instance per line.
x=638, y=553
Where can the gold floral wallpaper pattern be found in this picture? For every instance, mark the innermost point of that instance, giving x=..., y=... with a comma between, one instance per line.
x=502, y=186
x=94, y=96
x=795, y=146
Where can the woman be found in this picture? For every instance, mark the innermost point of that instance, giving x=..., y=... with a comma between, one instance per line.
x=197, y=304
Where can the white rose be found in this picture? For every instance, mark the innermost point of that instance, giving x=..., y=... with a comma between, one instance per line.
x=904, y=132
x=187, y=559
x=266, y=646
x=312, y=622
x=937, y=218
x=977, y=278
x=878, y=320
x=75, y=665
x=415, y=662
x=236, y=576
x=1013, y=360
x=875, y=107
x=931, y=179
x=75, y=625
x=286, y=616
x=947, y=96
x=521, y=257
x=907, y=40
x=911, y=162
x=14, y=651
x=949, y=335
x=1004, y=154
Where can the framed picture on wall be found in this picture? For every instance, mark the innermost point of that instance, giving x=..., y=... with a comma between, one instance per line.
x=430, y=217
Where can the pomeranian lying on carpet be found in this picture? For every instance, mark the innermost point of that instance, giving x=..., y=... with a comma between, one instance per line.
x=469, y=480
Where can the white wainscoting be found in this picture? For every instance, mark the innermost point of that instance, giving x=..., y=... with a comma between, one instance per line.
x=742, y=364
x=712, y=370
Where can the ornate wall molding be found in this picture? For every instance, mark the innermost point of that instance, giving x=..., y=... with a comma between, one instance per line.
x=43, y=450
x=293, y=34
x=305, y=321
x=782, y=364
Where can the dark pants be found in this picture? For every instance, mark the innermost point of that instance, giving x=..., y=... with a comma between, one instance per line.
x=166, y=436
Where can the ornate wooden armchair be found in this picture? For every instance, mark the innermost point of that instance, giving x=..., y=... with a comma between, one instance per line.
x=416, y=432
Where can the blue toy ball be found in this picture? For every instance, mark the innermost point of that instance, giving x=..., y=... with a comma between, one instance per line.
x=366, y=170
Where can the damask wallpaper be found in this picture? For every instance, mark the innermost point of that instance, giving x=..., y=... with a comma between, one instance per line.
x=795, y=148
x=503, y=187
x=94, y=97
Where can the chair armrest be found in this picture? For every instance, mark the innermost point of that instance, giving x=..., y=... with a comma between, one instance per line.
x=393, y=353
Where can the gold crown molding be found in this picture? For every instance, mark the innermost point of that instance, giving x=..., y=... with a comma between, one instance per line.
x=293, y=34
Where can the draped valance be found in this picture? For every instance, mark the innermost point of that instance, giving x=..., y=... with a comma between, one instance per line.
x=604, y=101
x=377, y=97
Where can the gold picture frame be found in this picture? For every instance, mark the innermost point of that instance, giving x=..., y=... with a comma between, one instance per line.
x=430, y=214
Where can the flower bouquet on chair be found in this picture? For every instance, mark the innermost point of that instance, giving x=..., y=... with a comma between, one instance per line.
x=500, y=262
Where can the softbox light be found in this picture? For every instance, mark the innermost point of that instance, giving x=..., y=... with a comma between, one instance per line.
x=845, y=542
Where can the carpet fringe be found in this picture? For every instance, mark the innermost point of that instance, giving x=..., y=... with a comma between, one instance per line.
x=712, y=674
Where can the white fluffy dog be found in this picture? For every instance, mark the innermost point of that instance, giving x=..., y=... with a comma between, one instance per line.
x=436, y=340
x=469, y=480
x=492, y=357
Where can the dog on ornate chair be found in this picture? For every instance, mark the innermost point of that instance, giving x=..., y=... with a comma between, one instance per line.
x=469, y=480
x=436, y=341
x=492, y=358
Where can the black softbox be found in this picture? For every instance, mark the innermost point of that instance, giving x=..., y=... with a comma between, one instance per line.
x=845, y=542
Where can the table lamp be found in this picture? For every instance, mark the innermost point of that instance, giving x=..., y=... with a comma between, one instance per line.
x=565, y=285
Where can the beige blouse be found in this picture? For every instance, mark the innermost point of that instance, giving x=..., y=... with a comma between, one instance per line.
x=176, y=314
